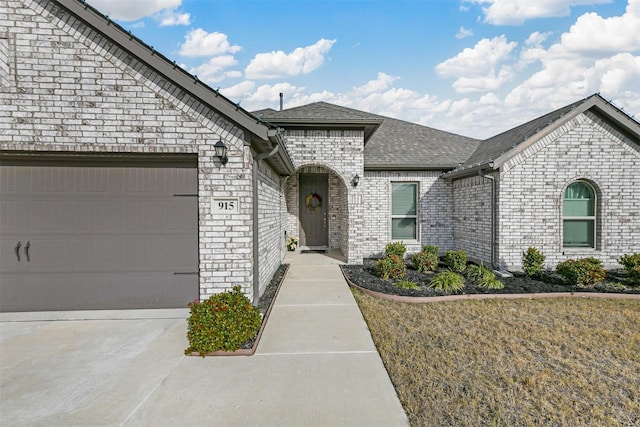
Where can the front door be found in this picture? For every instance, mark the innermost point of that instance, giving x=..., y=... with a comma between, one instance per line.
x=313, y=210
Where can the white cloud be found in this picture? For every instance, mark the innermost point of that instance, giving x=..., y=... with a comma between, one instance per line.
x=596, y=55
x=592, y=33
x=213, y=71
x=172, y=17
x=132, y=10
x=302, y=60
x=464, y=33
x=381, y=83
x=480, y=68
x=198, y=42
x=515, y=12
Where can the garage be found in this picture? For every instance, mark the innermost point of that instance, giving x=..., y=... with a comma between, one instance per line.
x=82, y=232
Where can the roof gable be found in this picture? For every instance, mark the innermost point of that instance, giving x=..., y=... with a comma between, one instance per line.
x=495, y=151
x=391, y=144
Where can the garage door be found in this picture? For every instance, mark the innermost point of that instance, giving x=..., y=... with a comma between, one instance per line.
x=98, y=233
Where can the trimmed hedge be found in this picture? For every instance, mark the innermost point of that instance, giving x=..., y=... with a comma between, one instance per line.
x=582, y=272
x=225, y=321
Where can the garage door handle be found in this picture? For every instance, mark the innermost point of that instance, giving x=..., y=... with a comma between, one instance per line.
x=26, y=251
x=17, y=249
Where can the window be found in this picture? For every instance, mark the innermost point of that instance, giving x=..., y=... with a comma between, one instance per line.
x=404, y=212
x=579, y=216
x=4, y=62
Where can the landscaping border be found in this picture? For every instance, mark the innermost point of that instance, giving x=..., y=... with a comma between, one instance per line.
x=459, y=297
x=254, y=347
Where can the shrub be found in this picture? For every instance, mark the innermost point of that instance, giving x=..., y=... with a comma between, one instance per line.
x=447, y=281
x=431, y=249
x=483, y=277
x=455, y=260
x=223, y=322
x=532, y=262
x=631, y=265
x=582, y=272
x=424, y=261
x=395, y=248
x=391, y=267
x=407, y=284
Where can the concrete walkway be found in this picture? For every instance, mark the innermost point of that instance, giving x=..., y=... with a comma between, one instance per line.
x=316, y=365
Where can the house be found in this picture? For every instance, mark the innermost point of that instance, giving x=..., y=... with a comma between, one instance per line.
x=127, y=183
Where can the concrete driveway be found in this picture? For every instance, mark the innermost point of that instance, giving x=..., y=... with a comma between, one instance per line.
x=85, y=368
x=316, y=365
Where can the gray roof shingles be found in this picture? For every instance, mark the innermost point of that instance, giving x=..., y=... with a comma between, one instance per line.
x=396, y=144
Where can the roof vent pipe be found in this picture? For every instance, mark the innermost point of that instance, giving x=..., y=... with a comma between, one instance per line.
x=281, y=100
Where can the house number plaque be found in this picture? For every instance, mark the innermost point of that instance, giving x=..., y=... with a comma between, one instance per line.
x=225, y=206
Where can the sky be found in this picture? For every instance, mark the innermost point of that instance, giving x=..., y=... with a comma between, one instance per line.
x=471, y=67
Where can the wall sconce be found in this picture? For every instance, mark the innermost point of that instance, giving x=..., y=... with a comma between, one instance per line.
x=221, y=152
x=355, y=180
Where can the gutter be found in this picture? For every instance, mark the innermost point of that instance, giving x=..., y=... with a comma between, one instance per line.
x=493, y=217
x=469, y=171
x=273, y=136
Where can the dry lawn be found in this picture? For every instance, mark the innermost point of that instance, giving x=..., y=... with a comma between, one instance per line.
x=546, y=362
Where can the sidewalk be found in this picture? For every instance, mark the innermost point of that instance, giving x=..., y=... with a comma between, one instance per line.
x=315, y=365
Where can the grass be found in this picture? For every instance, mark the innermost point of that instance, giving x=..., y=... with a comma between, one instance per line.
x=556, y=362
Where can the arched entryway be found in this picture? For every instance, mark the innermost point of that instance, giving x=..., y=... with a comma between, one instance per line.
x=317, y=209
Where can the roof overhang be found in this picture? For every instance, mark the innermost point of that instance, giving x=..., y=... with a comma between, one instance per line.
x=387, y=167
x=260, y=133
x=614, y=116
x=369, y=126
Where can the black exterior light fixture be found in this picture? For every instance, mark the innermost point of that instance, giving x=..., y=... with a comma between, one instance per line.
x=221, y=152
x=355, y=180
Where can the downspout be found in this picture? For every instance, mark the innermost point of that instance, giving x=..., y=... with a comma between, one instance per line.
x=256, y=261
x=493, y=217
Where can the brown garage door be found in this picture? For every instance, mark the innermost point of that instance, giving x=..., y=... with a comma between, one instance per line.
x=98, y=233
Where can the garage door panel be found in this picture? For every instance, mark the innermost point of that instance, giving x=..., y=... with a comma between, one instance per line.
x=100, y=237
x=100, y=291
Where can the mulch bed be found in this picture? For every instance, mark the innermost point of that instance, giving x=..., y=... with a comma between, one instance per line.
x=365, y=276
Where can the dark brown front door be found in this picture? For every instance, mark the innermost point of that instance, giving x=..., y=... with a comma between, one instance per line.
x=313, y=210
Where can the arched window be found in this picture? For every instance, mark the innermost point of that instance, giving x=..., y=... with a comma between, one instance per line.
x=579, y=216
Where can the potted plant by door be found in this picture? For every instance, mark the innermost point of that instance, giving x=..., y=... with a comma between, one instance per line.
x=292, y=243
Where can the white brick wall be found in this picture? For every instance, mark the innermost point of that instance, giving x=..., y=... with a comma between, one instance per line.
x=74, y=91
x=271, y=223
x=532, y=185
x=340, y=153
x=472, y=217
x=434, y=210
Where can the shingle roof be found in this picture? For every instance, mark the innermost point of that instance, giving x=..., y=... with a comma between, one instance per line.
x=494, y=147
x=510, y=142
x=390, y=143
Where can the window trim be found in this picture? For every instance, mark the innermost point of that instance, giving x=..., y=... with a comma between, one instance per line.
x=593, y=218
x=415, y=217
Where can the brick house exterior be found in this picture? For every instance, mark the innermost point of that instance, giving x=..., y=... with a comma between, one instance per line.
x=80, y=92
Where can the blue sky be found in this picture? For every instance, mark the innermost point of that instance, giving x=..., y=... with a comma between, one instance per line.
x=473, y=67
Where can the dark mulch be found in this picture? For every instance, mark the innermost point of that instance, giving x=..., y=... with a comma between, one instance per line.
x=365, y=276
x=266, y=299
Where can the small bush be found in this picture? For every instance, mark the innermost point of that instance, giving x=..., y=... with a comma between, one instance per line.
x=407, y=284
x=631, y=264
x=483, y=277
x=455, y=260
x=395, y=248
x=424, y=261
x=391, y=267
x=582, y=272
x=532, y=262
x=431, y=249
x=223, y=322
x=447, y=281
